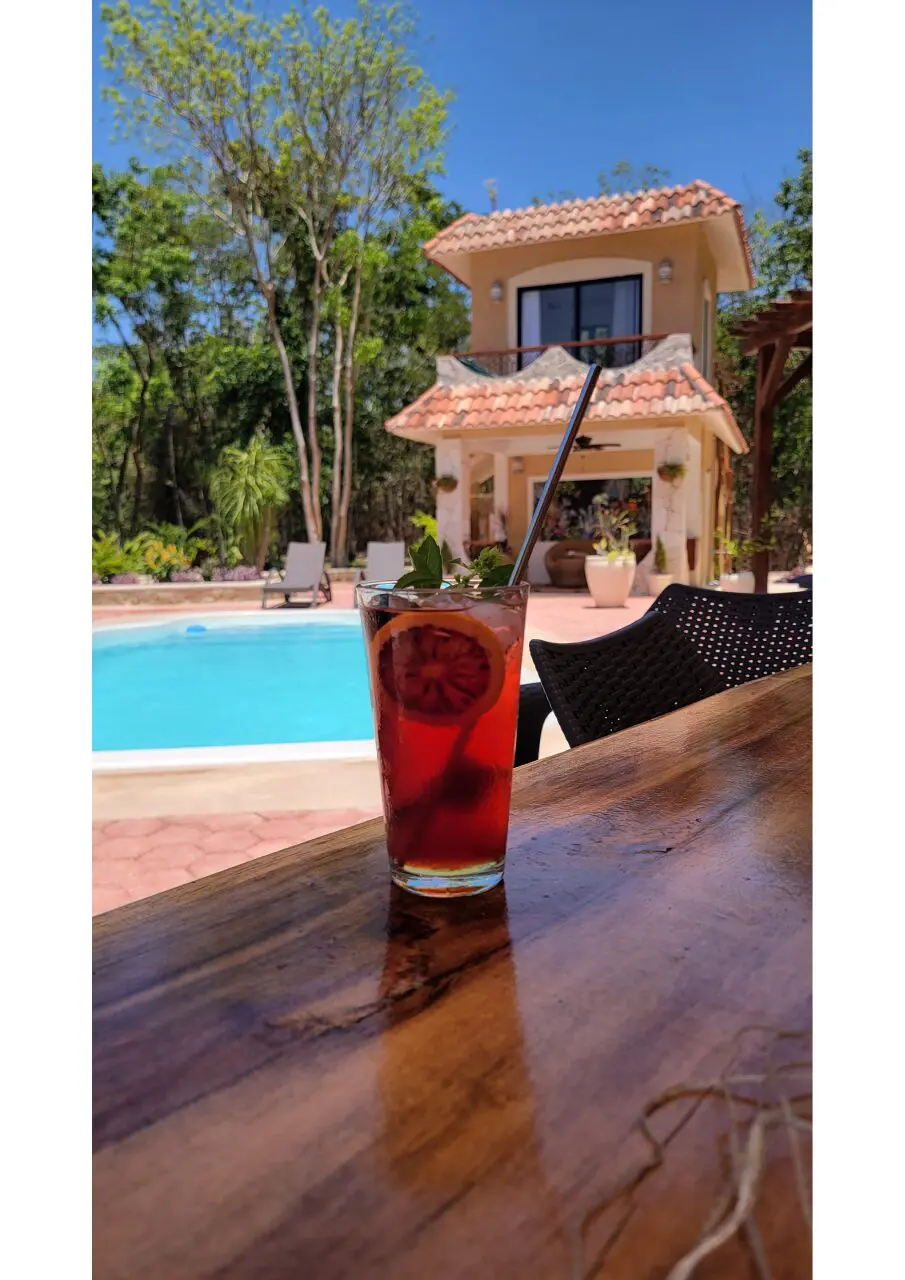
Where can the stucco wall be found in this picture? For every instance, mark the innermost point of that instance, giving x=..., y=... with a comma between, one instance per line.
x=671, y=308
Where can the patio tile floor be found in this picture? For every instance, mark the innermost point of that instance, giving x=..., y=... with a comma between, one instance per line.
x=161, y=853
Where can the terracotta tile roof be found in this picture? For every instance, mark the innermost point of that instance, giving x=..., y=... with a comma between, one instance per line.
x=573, y=219
x=487, y=404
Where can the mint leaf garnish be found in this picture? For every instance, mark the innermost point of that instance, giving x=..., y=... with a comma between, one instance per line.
x=427, y=568
x=498, y=576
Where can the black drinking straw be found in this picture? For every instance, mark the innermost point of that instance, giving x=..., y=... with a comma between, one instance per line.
x=559, y=462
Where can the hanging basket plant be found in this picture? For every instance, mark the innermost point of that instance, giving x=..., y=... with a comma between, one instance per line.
x=446, y=484
x=672, y=472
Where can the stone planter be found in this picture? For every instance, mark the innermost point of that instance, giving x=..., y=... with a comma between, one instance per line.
x=609, y=581
x=743, y=582
x=659, y=582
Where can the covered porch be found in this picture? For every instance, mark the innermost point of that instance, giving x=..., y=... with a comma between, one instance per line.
x=495, y=438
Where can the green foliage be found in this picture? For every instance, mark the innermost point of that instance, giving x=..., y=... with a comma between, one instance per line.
x=108, y=557
x=427, y=523
x=616, y=528
x=428, y=568
x=660, y=561
x=312, y=140
x=427, y=565
x=285, y=226
x=248, y=487
x=782, y=255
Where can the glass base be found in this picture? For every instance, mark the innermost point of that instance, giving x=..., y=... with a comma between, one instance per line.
x=464, y=885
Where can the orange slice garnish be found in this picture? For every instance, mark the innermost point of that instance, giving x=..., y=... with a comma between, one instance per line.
x=440, y=668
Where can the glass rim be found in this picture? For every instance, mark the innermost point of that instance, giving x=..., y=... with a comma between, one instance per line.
x=521, y=588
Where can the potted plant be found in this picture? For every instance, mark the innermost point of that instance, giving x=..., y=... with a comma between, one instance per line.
x=446, y=484
x=659, y=580
x=738, y=553
x=671, y=472
x=610, y=572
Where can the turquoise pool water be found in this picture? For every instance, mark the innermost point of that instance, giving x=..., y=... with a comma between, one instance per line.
x=212, y=684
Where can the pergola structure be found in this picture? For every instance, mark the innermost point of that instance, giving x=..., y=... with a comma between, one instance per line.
x=774, y=333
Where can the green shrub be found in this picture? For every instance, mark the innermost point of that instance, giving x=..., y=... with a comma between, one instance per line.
x=108, y=558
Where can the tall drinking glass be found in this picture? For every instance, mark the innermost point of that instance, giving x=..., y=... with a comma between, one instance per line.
x=444, y=668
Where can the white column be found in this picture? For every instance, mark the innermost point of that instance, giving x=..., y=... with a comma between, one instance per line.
x=501, y=489
x=669, y=503
x=454, y=509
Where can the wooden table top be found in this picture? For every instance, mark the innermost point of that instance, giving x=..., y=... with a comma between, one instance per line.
x=302, y=1072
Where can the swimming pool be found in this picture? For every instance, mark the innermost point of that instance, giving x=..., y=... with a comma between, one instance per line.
x=220, y=681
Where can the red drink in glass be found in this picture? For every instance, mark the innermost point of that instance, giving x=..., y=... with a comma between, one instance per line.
x=445, y=668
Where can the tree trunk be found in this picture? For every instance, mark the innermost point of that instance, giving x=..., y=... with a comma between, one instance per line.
x=135, y=450
x=120, y=490
x=350, y=371
x=310, y=503
x=171, y=464
x=313, y=335
x=336, y=553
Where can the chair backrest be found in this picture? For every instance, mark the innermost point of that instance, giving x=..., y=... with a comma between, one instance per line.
x=304, y=565
x=741, y=636
x=386, y=561
x=691, y=644
x=644, y=670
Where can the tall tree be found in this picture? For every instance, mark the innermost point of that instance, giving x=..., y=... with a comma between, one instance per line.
x=369, y=127
x=298, y=129
x=781, y=250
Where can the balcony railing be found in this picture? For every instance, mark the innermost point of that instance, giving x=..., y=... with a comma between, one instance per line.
x=611, y=353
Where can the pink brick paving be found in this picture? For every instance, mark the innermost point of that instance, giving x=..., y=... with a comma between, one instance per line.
x=137, y=857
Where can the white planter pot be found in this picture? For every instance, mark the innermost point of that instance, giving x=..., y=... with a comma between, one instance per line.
x=659, y=582
x=537, y=569
x=609, y=581
x=743, y=581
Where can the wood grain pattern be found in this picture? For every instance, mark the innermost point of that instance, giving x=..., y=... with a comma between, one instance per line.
x=300, y=1072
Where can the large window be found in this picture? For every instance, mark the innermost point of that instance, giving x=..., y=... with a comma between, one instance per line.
x=560, y=313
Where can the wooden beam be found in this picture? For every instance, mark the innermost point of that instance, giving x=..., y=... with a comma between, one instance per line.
x=763, y=453
x=787, y=317
x=774, y=369
x=800, y=372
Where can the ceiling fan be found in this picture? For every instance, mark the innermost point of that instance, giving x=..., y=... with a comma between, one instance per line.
x=583, y=444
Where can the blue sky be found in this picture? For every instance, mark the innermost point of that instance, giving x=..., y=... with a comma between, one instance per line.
x=550, y=92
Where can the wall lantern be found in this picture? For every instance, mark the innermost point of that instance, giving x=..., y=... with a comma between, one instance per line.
x=518, y=466
x=496, y=291
x=664, y=271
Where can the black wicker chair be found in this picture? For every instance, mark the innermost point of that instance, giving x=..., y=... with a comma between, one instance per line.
x=690, y=644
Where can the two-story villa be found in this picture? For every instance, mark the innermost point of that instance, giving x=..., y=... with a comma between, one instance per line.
x=630, y=281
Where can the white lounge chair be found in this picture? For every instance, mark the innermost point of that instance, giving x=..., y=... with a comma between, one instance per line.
x=386, y=562
x=304, y=572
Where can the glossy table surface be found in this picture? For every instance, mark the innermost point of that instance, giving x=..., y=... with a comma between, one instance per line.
x=301, y=1072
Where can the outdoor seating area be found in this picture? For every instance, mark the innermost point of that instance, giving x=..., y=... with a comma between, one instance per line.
x=452, y=649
